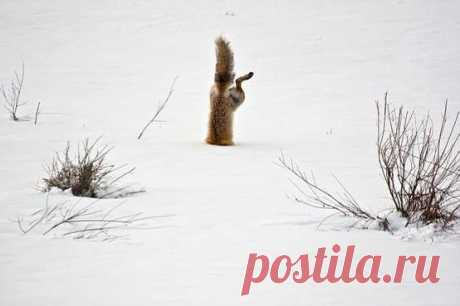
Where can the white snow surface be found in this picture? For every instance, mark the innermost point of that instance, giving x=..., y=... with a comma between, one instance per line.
x=100, y=68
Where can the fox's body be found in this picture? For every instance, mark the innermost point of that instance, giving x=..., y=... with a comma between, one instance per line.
x=224, y=98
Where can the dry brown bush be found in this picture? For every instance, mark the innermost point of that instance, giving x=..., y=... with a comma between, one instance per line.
x=87, y=173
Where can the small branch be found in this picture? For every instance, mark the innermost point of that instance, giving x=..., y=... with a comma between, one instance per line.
x=37, y=112
x=160, y=108
x=46, y=213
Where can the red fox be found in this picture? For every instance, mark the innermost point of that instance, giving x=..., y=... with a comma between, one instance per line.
x=224, y=99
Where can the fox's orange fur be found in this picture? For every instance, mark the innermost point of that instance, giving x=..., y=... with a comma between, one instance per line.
x=224, y=99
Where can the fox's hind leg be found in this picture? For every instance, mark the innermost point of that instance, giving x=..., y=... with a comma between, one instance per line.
x=237, y=93
x=243, y=78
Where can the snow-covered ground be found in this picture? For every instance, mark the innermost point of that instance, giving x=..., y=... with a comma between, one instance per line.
x=99, y=68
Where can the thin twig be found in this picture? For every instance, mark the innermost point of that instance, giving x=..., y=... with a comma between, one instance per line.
x=37, y=112
x=159, y=109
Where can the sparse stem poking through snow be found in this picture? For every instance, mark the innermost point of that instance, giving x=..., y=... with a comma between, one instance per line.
x=160, y=108
x=12, y=95
x=37, y=112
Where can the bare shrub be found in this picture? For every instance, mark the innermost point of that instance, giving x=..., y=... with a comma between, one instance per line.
x=12, y=95
x=86, y=173
x=317, y=197
x=420, y=165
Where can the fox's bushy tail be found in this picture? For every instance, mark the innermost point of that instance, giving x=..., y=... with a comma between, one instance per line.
x=224, y=75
